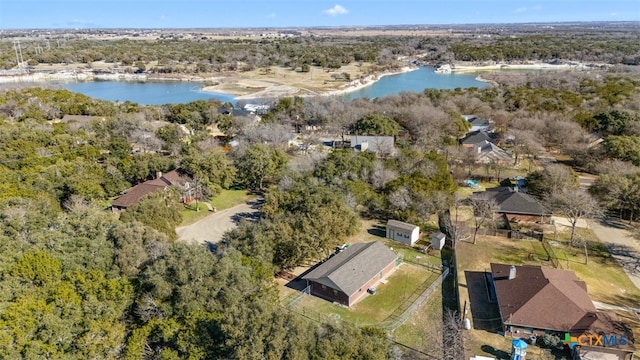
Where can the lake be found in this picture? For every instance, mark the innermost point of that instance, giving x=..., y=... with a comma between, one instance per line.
x=416, y=81
x=173, y=92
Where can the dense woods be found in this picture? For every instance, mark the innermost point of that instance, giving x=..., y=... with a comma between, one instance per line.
x=79, y=282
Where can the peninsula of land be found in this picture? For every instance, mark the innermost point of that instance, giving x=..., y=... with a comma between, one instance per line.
x=273, y=81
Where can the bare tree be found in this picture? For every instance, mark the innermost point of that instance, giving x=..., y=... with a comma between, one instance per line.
x=574, y=204
x=380, y=175
x=400, y=199
x=275, y=134
x=453, y=336
x=483, y=212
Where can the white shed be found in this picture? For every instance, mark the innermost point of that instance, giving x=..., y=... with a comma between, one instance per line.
x=403, y=232
x=437, y=240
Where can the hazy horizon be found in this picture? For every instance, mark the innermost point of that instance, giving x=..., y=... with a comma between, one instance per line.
x=211, y=14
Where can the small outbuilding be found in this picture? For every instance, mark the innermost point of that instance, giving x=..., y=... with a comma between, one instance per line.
x=403, y=232
x=437, y=240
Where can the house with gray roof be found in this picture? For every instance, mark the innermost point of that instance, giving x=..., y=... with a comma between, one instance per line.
x=346, y=276
x=515, y=204
x=488, y=153
x=477, y=123
x=381, y=145
x=478, y=137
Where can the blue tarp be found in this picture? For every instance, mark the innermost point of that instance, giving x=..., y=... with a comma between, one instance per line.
x=519, y=344
x=471, y=182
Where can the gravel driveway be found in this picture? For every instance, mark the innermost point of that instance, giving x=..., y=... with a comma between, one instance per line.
x=211, y=228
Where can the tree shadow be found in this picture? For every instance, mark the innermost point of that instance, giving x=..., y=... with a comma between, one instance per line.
x=498, y=354
x=213, y=247
x=377, y=230
x=614, y=223
x=256, y=204
x=248, y=216
x=627, y=257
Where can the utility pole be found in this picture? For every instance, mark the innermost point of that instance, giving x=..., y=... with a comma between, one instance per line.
x=18, y=50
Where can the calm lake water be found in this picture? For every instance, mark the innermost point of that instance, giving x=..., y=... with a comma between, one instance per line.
x=174, y=92
x=416, y=81
x=146, y=93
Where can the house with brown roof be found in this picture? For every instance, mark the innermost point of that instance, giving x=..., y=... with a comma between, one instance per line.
x=162, y=181
x=347, y=276
x=538, y=300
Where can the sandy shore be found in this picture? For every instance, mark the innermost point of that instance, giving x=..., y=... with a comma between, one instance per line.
x=250, y=89
x=462, y=68
x=366, y=81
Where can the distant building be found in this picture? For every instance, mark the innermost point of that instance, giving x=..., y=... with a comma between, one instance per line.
x=487, y=153
x=477, y=124
x=346, y=276
x=515, y=204
x=162, y=181
x=403, y=232
x=381, y=145
x=478, y=137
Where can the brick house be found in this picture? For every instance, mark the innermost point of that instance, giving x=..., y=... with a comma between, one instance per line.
x=539, y=300
x=346, y=276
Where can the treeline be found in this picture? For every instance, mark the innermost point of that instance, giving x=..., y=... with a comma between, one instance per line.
x=205, y=55
x=79, y=283
x=583, y=48
x=210, y=56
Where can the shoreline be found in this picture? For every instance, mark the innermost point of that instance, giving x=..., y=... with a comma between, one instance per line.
x=462, y=68
x=369, y=80
x=270, y=90
x=290, y=90
x=250, y=89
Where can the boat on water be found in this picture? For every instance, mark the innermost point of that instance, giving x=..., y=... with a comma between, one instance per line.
x=443, y=69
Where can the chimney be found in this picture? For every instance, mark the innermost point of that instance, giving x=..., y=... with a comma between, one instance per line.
x=158, y=174
x=512, y=272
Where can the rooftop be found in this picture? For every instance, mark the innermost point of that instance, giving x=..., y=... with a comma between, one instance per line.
x=350, y=269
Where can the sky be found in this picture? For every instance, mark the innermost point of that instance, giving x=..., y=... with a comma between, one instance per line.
x=29, y=14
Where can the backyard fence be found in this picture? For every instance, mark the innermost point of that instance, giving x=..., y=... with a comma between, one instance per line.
x=511, y=234
x=552, y=254
x=400, y=319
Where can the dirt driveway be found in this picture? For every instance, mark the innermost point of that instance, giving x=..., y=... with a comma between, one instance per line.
x=211, y=228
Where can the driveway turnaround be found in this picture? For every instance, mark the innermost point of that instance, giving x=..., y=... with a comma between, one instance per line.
x=211, y=228
x=622, y=246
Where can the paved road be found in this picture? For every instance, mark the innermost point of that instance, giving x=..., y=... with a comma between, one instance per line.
x=211, y=228
x=624, y=248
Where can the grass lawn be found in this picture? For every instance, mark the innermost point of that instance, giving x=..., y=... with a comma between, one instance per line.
x=422, y=329
x=226, y=199
x=401, y=288
x=373, y=230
